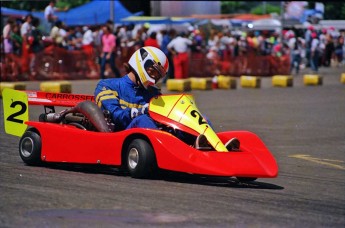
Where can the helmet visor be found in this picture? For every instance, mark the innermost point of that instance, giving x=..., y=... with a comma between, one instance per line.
x=154, y=70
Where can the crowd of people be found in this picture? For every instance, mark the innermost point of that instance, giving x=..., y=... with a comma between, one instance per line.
x=311, y=47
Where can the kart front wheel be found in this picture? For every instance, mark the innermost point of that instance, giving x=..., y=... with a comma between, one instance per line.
x=141, y=160
x=30, y=148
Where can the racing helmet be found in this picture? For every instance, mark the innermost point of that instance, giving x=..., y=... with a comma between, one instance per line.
x=150, y=65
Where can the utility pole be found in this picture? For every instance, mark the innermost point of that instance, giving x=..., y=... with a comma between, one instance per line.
x=264, y=7
x=111, y=8
x=282, y=12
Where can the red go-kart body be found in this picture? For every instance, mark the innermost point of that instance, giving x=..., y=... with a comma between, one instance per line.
x=141, y=149
x=63, y=143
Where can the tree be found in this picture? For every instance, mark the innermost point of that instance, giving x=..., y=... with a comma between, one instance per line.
x=232, y=7
x=269, y=9
x=334, y=10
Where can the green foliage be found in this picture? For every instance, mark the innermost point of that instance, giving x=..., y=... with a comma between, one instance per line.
x=334, y=10
x=70, y=4
x=231, y=7
x=268, y=9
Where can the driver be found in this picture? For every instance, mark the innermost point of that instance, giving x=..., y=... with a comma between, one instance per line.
x=127, y=98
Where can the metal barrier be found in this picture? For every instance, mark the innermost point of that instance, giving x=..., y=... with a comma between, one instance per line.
x=56, y=63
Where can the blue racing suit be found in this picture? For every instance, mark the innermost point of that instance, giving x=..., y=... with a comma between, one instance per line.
x=119, y=96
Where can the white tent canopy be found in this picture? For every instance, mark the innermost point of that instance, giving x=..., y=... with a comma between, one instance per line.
x=266, y=24
x=221, y=22
x=337, y=24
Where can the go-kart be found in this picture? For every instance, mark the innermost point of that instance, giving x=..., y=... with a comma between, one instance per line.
x=83, y=133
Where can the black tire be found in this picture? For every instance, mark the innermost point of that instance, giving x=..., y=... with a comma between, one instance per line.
x=246, y=179
x=30, y=148
x=140, y=159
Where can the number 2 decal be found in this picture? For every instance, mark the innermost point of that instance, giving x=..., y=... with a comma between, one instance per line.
x=12, y=117
x=195, y=114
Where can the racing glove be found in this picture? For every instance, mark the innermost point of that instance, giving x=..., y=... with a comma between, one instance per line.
x=139, y=111
x=134, y=112
x=145, y=109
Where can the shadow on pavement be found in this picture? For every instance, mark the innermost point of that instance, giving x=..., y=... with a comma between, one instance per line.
x=170, y=176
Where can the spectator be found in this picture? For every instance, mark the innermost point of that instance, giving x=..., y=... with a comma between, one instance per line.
x=88, y=47
x=339, y=50
x=56, y=35
x=308, y=39
x=242, y=45
x=6, y=33
x=145, y=29
x=213, y=40
x=108, y=51
x=179, y=48
x=71, y=39
x=79, y=37
x=314, y=53
x=152, y=41
x=36, y=35
x=213, y=60
x=138, y=41
x=224, y=42
x=197, y=41
x=17, y=40
x=88, y=39
x=159, y=38
x=26, y=27
x=236, y=48
x=323, y=41
x=36, y=44
x=97, y=38
x=296, y=55
x=49, y=12
x=329, y=50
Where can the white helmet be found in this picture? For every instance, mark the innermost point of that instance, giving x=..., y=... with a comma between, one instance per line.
x=147, y=57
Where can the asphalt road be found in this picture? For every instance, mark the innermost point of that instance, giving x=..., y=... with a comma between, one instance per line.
x=303, y=126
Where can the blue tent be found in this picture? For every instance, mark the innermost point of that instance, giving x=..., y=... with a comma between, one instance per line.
x=13, y=12
x=95, y=12
x=7, y=12
x=310, y=12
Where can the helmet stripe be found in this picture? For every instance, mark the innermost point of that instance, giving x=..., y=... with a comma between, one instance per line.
x=166, y=65
x=140, y=73
x=153, y=54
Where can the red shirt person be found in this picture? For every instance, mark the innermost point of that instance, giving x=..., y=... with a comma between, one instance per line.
x=152, y=40
x=179, y=47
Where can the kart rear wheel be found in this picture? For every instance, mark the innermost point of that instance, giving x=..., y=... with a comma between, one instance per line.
x=30, y=148
x=246, y=179
x=141, y=160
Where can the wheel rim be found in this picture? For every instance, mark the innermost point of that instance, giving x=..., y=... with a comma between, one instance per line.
x=26, y=147
x=133, y=158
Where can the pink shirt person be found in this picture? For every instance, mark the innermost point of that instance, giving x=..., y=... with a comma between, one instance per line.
x=108, y=41
x=108, y=52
